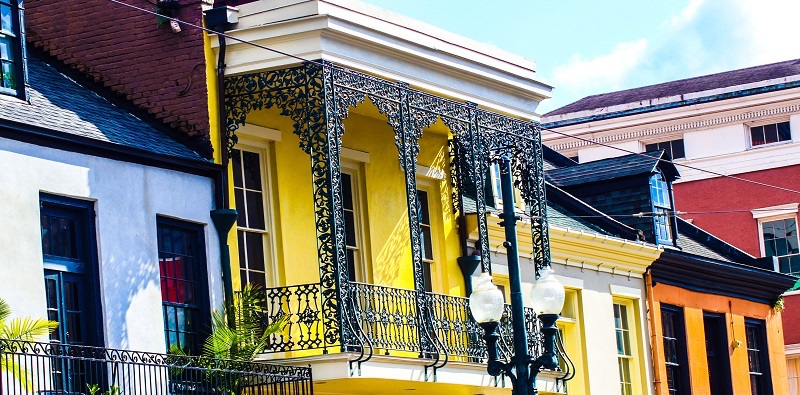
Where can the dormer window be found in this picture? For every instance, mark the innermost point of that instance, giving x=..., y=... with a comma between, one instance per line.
x=662, y=209
x=11, y=47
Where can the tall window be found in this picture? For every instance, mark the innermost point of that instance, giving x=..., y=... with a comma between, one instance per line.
x=781, y=240
x=248, y=186
x=769, y=134
x=624, y=353
x=717, y=357
x=662, y=209
x=426, y=238
x=497, y=190
x=184, y=286
x=758, y=357
x=352, y=227
x=674, y=148
x=10, y=48
x=675, y=357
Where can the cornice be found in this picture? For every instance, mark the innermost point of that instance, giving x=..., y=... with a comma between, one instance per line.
x=740, y=117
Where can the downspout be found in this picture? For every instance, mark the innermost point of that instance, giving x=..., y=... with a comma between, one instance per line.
x=224, y=217
x=648, y=290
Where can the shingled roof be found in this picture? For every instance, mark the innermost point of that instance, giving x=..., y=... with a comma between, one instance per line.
x=682, y=87
x=611, y=168
x=59, y=104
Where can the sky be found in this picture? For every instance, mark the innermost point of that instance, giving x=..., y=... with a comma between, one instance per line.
x=587, y=47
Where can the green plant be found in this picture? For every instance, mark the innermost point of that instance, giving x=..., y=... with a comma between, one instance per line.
x=237, y=333
x=777, y=305
x=21, y=329
x=94, y=389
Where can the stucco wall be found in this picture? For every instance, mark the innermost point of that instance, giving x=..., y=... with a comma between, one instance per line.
x=735, y=311
x=127, y=198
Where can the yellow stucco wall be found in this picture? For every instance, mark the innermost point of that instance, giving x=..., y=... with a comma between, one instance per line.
x=384, y=212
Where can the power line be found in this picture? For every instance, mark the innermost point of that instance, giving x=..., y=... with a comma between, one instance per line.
x=227, y=36
x=674, y=163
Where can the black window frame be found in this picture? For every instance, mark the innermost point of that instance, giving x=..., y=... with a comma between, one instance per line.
x=715, y=330
x=679, y=367
x=201, y=285
x=18, y=50
x=760, y=381
x=86, y=264
x=676, y=149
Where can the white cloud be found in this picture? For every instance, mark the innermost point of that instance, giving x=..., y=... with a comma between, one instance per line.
x=708, y=36
x=602, y=71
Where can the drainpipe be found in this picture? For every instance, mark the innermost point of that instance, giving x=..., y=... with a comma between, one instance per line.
x=650, y=300
x=224, y=217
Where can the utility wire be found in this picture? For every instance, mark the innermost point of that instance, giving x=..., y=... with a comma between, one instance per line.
x=674, y=163
x=550, y=130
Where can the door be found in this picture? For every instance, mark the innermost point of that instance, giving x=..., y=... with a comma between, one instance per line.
x=70, y=284
x=719, y=364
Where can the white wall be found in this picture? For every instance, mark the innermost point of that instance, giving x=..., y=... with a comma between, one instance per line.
x=127, y=199
x=716, y=141
x=601, y=152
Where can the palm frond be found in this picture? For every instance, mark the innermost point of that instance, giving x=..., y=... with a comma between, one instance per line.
x=27, y=328
x=5, y=311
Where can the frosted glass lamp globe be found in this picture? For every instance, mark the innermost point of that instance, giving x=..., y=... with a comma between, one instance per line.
x=547, y=293
x=486, y=302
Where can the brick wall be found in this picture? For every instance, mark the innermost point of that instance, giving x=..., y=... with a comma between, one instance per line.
x=160, y=72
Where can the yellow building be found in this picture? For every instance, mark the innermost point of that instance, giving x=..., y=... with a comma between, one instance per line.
x=327, y=156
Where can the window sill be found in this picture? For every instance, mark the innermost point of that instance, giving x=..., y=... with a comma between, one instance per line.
x=779, y=143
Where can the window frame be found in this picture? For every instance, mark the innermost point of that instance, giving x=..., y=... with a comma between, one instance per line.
x=264, y=149
x=429, y=187
x=761, y=124
x=88, y=265
x=18, y=43
x=684, y=386
x=202, y=287
x=760, y=327
x=671, y=145
x=634, y=338
x=354, y=169
x=774, y=218
x=669, y=220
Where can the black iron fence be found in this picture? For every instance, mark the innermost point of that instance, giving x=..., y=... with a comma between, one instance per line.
x=58, y=369
x=387, y=319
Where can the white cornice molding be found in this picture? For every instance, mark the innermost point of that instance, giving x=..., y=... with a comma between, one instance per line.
x=740, y=117
x=783, y=209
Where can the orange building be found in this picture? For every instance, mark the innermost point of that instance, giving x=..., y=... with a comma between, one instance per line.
x=713, y=325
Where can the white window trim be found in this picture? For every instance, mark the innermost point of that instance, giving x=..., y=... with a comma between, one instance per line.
x=429, y=186
x=264, y=149
x=774, y=211
x=255, y=133
x=762, y=122
x=761, y=220
x=354, y=169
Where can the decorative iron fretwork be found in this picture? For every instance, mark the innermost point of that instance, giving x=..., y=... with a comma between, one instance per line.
x=302, y=305
x=51, y=368
x=317, y=96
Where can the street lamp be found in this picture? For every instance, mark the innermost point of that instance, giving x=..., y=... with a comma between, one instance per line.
x=486, y=305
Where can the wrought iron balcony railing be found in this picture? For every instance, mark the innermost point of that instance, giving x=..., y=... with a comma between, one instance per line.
x=50, y=369
x=387, y=320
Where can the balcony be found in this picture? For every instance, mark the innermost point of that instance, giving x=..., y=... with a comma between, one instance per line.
x=58, y=369
x=387, y=321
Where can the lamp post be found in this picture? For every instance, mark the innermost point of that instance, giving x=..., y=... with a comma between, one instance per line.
x=486, y=305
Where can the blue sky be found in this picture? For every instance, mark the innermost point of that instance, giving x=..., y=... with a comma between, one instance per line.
x=585, y=47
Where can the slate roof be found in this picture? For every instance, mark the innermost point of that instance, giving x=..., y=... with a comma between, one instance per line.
x=556, y=216
x=608, y=169
x=60, y=104
x=694, y=240
x=681, y=87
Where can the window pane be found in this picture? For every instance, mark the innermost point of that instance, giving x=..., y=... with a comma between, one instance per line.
x=255, y=210
x=427, y=276
x=255, y=251
x=422, y=196
x=6, y=18
x=650, y=147
x=236, y=160
x=757, y=135
x=770, y=133
x=9, y=76
x=350, y=229
x=241, y=220
x=427, y=243
x=678, y=149
x=784, y=132
x=252, y=170
x=6, y=48
x=347, y=192
x=242, y=254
